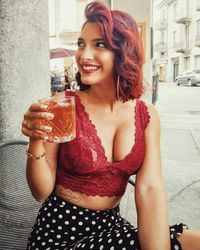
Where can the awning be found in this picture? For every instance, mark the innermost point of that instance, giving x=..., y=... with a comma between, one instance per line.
x=61, y=53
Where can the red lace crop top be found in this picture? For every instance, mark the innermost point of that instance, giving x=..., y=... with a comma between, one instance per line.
x=82, y=164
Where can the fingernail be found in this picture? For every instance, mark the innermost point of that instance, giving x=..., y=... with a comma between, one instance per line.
x=44, y=106
x=48, y=129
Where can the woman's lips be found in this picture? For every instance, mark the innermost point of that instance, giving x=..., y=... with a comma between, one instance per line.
x=88, y=69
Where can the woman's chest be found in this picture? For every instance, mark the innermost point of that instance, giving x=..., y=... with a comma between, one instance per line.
x=115, y=136
x=105, y=143
x=90, y=154
x=114, y=131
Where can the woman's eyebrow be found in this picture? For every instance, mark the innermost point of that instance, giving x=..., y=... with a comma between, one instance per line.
x=80, y=39
x=94, y=40
x=98, y=40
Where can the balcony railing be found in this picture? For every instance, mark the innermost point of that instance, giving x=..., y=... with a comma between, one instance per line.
x=197, y=40
x=183, y=16
x=160, y=47
x=182, y=47
x=161, y=24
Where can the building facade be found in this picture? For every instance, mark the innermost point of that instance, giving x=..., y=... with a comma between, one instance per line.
x=176, y=26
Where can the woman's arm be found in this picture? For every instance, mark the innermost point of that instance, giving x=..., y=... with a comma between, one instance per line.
x=41, y=173
x=151, y=202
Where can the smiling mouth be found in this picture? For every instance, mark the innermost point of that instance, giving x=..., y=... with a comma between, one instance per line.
x=87, y=69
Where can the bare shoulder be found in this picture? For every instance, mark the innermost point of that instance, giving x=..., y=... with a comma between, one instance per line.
x=153, y=114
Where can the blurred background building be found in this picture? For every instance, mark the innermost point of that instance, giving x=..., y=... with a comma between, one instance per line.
x=176, y=25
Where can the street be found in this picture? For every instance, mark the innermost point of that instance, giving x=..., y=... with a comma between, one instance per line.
x=179, y=110
x=173, y=99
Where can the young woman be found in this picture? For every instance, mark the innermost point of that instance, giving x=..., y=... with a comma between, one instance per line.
x=82, y=181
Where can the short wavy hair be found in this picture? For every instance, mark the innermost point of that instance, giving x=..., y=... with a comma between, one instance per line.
x=121, y=35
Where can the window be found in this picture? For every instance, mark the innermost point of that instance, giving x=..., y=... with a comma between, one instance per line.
x=162, y=36
x=174, y=38
x=197, y=62
x=198, y=26
x=142, y=31
x=175, y=10
x=187, y=35
x=187, y=63
x=163, y=15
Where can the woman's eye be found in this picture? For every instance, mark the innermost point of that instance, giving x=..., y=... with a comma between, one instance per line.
x=80, y=44
x=101, y=44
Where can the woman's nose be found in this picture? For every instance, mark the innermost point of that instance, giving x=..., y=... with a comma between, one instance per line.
x=87, y=53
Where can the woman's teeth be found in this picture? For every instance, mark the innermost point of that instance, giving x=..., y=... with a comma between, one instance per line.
x=90, y=67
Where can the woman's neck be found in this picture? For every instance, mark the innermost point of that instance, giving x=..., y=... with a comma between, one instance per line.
x=103, y=95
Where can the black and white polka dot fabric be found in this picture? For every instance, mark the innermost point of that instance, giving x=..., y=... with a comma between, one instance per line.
x=61, y=225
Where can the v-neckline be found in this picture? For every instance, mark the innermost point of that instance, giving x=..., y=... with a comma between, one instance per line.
x=99, y=139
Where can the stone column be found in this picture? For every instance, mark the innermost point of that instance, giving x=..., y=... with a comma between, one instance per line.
x=24, y=61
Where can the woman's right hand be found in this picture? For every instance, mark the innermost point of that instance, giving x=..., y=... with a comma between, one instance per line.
x=30, y=125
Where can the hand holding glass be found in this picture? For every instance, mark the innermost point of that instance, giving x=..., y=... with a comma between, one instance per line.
x=64, y=122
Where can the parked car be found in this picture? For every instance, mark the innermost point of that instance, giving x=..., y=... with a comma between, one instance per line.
x=190, y=77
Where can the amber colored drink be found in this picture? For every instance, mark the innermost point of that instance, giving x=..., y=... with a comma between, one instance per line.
x=64, y=123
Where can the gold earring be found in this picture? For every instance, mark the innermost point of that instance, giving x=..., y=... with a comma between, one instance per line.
x=118, y=79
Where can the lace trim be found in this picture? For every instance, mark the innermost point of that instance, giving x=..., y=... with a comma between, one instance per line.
x=92, y=127
x=144, y=114
x=98, y=139
x=101, y=185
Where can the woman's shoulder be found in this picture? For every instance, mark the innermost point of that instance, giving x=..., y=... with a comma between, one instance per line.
x=149, y=112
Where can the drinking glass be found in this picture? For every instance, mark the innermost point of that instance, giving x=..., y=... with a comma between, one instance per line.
x=64, y=122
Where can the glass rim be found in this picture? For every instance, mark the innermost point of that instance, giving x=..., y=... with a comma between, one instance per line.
x=56, y=98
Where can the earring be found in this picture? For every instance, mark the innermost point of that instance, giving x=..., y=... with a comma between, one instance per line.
x=118, y=79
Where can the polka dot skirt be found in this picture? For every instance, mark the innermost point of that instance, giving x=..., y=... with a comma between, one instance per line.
x=61, y=225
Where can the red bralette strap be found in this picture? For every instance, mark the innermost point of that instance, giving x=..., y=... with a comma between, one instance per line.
x=145, y=116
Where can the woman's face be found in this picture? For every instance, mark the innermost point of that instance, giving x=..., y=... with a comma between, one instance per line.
x=94, y=60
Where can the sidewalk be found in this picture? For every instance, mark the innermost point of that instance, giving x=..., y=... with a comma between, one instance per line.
x=180, y=146
x=180, y=149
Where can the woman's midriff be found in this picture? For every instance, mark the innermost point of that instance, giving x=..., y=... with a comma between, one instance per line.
x=90, y=202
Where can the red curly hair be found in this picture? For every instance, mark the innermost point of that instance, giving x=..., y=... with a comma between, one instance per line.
x=121, y=35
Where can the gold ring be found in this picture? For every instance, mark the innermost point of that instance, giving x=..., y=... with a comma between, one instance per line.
x=29, y=125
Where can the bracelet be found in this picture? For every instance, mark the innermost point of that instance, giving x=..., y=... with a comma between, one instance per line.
x=33, y=157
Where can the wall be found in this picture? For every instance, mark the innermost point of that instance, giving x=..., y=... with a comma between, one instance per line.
x=24, y=61
x=141, y=11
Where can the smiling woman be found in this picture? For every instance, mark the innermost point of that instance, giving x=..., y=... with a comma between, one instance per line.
x=129, y=72
x=94, y=60
x=117, y=135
